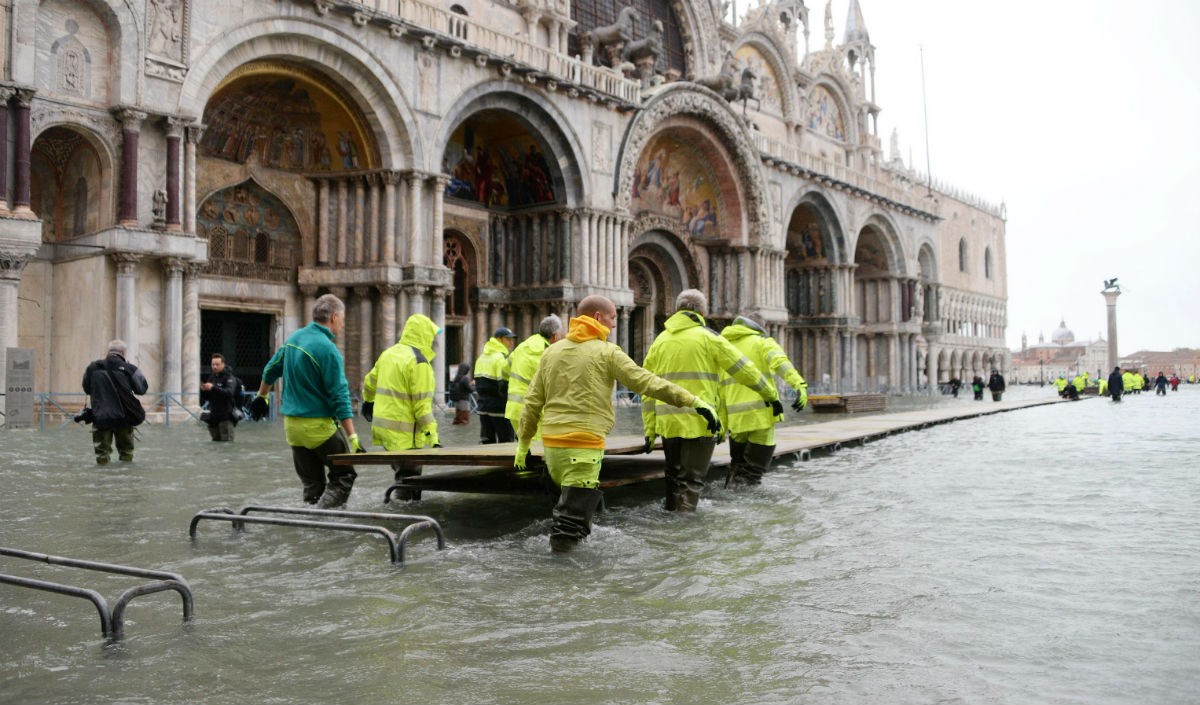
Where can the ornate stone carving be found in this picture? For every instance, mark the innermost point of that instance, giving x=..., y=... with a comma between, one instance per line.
x=682, y=100
x=166, y=71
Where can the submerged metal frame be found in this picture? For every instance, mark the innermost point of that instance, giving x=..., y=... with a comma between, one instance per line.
x=396, y=544
x=112, y=622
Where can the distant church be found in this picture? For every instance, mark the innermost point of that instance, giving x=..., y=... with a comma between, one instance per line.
x=189, y=176
x=1061, y=356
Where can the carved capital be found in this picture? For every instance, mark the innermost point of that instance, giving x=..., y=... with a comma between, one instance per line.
x=126, y=261
x=387, y=290
x=176, y=126
x=24, y=96
x=173, y=266
x=131, y=120
x=194, y=132
x=309, y=289
x=12, y=262
x=6, y=94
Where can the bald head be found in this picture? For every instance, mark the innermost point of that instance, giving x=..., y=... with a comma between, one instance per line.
x=596, y=304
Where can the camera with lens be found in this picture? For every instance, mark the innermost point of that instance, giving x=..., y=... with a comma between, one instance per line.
x=85, y=415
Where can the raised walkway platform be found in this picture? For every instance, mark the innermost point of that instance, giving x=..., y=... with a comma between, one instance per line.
x=489, y=469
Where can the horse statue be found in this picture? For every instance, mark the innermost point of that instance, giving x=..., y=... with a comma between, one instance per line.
x=644, y=52
x=722, y=82
x=745, y=91
x=612, y=37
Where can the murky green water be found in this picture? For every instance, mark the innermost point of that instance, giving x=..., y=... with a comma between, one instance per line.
x=1045, y=555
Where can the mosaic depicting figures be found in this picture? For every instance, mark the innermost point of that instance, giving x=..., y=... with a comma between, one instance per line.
x=825, y=116
x=768, y=86
x=672, y=179
x=494, y=161
x=282, y=123
x=250, y=233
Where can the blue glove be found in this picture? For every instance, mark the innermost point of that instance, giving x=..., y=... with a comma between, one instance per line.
x=368, y=410
x=259, y=408
x=521, y=457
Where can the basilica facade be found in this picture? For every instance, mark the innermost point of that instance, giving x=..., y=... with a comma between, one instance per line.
x=189, y=175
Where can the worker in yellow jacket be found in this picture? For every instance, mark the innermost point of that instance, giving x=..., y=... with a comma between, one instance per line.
x=751, y=424
x=694, y=357
x=491, y=387
x=570, y=396
x=398, y=394
x=523, y=363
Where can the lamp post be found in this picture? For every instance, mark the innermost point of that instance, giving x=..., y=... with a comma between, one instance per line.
x=1042, y=365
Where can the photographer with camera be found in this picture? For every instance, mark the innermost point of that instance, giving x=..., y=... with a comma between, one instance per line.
x=111, y=384
x=224, y=393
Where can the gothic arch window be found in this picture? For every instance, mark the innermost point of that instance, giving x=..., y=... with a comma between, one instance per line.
x=962, y=255
x=455, y=257
x=987, y=262
x=590, y=14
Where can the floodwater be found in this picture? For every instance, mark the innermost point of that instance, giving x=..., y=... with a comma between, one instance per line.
x=1046, y=555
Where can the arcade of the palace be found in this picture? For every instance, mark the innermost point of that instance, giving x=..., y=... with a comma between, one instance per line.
x=189, y=176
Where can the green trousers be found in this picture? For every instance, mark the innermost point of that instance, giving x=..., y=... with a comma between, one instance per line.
x=102, y=441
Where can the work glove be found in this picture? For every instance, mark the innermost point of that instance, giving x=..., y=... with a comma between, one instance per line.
x=801, y=401
x=709, y=414
x=259, y=408
x=355, y=445
x=368, y=410
x=649, y=444
x=521, y=457
x=776, y=407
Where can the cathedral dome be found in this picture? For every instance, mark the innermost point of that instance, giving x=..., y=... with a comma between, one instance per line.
x=1062, y=335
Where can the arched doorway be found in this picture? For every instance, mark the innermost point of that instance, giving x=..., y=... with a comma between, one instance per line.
x=70, y=186
x=815, y=289
x=459, y=257
x=659, y=268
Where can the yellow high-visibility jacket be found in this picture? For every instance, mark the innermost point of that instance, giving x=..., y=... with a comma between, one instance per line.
x=491, y=378
x=1127, y=381
x=571, y=393
x=1060, y=383
x=743, y=408
x=522, y=364
x=1079, y=382
x=694, y=357
x=401, y=384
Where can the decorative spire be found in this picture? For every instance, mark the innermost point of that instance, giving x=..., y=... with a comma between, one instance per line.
x=856, y=28
x=828, y=24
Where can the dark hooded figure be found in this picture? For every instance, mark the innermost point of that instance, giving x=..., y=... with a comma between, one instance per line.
x=1116, y=384
x=996, y=385
x=1160, y=384
x=461, y=390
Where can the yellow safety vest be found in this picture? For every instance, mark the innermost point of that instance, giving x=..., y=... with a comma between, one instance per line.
x=522, y=364
x=401, y=384
x=694, y=357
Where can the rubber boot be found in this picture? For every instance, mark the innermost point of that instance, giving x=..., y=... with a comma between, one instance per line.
x=737, y=462
x=403, y=494
x=758, y=462
x=337, y=490
x=572, y=517
x=461, y=417
x=685, y=477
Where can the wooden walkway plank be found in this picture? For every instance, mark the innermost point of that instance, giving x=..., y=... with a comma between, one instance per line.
x=488, y=469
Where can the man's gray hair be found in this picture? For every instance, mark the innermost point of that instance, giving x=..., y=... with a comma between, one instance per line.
x=692, y=300
x=116, y=345
x=326, y=306
x=550, y=327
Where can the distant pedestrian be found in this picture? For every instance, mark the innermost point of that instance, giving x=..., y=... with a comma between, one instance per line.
x=107, y=381
x=491, y=386
x=1116, y=384
x=461, y=389
x=977, y=387
x=223, y=391
x=996, y=385
x=1160, y=384
x=955, y=384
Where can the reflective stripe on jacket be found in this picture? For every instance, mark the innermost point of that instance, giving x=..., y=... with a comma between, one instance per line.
x=491, y=377
x=743, y=409
x=694, y=357
x=401, y=384
x=522, y=364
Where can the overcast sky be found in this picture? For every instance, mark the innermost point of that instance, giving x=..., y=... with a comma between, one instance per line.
x=1082, y=116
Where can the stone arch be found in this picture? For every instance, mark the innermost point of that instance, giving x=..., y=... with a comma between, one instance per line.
x=893, y=245
x=774, y=58
x=124, y=40
x=72, y=187
x=326, y=50
x=561, y=144
x=252, y=233
x=660, y=266
x=927, y=272
x=815, y=245
x=703, y=112
x=816, y=118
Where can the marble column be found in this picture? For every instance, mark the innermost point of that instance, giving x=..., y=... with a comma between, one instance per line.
x=438, y=314
x=175, y=128
x=126, y=314
x=342, y=235
x=340, y=341
x=322, y=221
x=172, y=326
x=436, y=246
x=366, y=333
x=588, y=239
x=131, y=127
x=190, y=341
x=385, y=332
x=390, y=180
x=416, y=184
x=481, y=331
x=931, y=370
x=309, y=294
x=493, y=324
x=372, y=254
x=6, y=94
x=22, y=165
x=626, y=335
x=192, y=138
x=359, y=256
